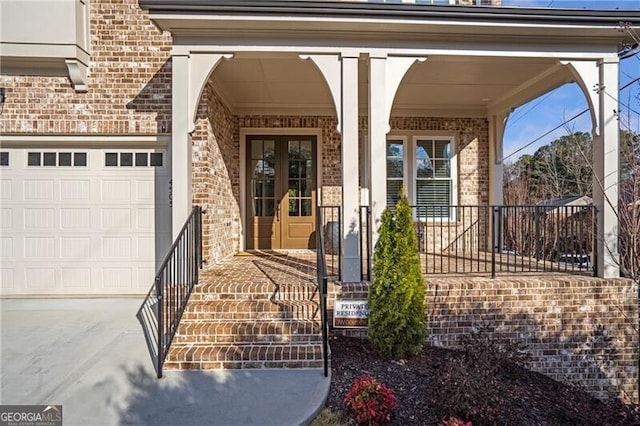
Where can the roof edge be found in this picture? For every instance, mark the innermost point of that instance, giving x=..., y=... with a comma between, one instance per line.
x=363, y=10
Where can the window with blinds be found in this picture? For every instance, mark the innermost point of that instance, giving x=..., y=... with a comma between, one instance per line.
x=425, y=167
x=433, y=177
x=395, y=170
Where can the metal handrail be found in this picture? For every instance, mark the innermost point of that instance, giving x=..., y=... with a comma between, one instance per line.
x=505, y=239
x=492, y=239
x=322, y=282
x=174, y=282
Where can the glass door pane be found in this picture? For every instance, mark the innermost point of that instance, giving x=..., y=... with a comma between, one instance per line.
x=263, y=175
x=300, y=184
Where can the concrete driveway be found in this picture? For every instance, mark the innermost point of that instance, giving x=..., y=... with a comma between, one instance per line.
x=90, y=356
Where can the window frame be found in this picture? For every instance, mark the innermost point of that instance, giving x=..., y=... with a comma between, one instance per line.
x=410, y=172
x=405, y=164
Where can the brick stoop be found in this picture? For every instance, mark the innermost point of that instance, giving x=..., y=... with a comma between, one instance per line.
x=253, y=312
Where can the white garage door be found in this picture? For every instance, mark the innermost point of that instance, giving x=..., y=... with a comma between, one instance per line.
x=82, y=221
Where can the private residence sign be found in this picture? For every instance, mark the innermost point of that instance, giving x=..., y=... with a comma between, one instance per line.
x=350, y=313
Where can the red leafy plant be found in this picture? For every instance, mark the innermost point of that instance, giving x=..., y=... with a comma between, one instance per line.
x=454, y=421
x=370, y=401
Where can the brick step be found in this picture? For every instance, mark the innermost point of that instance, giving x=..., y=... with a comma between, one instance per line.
x=250, y=309
x=216, y=356
x=248, y=331
x=254, y=291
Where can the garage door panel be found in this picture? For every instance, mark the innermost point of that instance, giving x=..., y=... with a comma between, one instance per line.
x=38, y=190
x=78, y=219
x=77, y=279
x=6, y=279
x=145, y=219
x=40, y=278
x=116, y=247
x=39, y=248
x=145, y=247
x=145, y=190
x=6, y=218
x=117, y=278
x=6, y=248
x=36, y=219
x=75, y=190
x=78, y=248
x=118, y=218
x=115, y=190
x=6, y=193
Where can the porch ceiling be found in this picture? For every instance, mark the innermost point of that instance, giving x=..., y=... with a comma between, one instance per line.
x=440, y=86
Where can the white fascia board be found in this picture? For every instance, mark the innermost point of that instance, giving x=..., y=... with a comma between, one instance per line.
x=94, y=141
x=185, y=25
x=442, y=50
x=302, y=110
x=44, y=51
x=450, y=111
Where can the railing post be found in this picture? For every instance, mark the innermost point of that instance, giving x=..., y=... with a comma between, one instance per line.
x=594, y=243
x=339, y=243
x=160, y=299
x=199, y=236
x=369, y=242
x=325, y=340
x=494, y=218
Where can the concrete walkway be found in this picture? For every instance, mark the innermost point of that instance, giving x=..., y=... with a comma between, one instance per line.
x=90, y=355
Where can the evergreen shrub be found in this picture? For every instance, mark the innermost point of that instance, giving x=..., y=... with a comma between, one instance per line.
x=397, y=325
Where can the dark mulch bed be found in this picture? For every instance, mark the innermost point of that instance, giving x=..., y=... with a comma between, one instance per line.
x=422, y=385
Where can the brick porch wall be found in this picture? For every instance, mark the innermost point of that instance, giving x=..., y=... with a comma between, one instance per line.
x=577, y=329
x=216, y=176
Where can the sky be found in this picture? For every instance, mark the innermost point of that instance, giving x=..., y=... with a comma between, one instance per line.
x=531, y=121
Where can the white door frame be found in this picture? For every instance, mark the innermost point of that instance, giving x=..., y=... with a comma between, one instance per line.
x=250, y=131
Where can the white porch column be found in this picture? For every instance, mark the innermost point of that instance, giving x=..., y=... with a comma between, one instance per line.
x=497, y=122
x=378, y=129
x=385, y=75
x=606, y=153
x=190, y=73
x=599, y=82
x=350, y=169
x=180, y=143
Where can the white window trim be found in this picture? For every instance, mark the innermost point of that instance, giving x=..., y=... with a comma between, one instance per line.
x=405, y=164
x=410, y=172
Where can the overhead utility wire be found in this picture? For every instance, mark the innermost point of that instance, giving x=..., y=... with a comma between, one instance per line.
x=560, y=125
x=524, y=113
x=542, y=136
x=621, y=103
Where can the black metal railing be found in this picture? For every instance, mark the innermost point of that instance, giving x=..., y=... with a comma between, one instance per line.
x=495, y=239
x=174, y=282
x=558, y=238
x=366, y=253
x=322, y=280
x=329, y=229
